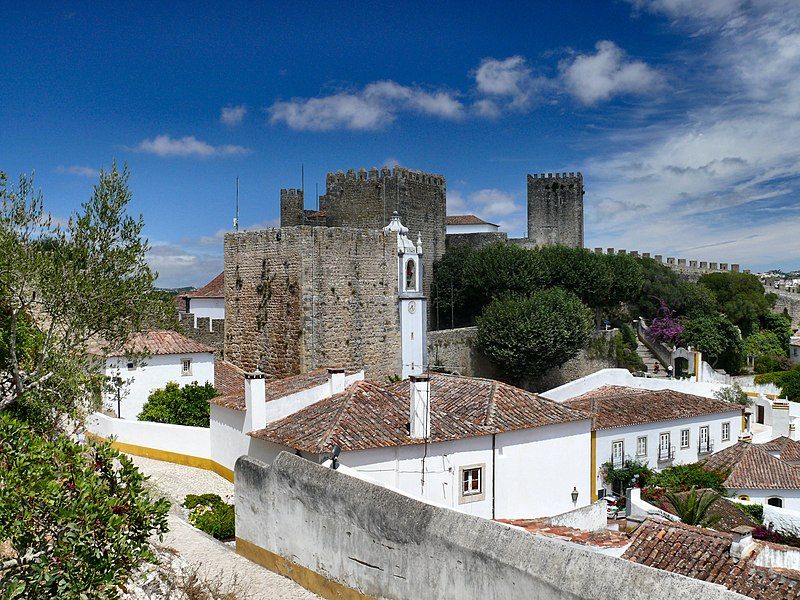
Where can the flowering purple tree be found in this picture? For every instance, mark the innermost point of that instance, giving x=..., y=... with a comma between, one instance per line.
x=665, y=328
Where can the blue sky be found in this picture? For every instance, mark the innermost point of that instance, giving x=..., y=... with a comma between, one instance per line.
x=682, y=114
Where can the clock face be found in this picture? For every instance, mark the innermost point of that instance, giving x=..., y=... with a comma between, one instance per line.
x=412, y=307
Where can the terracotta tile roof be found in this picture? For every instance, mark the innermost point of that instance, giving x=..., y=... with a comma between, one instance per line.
x=705, y=554
x=213, y=289
x=229, y=381
x=604, y=538
x=752, y=467
x=787, y=448
x=466, y=220
x=278, y=388
x=368, y=415
x=154, y=343
x=618, y=406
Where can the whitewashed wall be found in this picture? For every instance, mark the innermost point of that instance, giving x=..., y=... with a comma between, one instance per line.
x=630, y=434
x=783, y=520
x=191, y=441
x=213, y=308
x=461, y=229
x=155, y=373
x=791, y=498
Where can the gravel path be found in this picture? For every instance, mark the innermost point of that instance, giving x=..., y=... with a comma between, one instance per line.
x=211, y=557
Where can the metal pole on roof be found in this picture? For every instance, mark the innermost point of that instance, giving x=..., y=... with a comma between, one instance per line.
x=236, y=216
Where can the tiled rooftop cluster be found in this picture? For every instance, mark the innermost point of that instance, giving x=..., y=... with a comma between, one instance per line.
x=751, y=466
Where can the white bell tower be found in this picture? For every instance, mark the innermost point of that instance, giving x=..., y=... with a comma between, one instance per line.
x=411, y=300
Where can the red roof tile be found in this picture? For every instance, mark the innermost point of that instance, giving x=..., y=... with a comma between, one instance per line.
x=278, y=388
x=213, y=289
x=704, y=554
x=466, y=220
x=603, y=538
x=369, y=415
x=752, y=467
x=617, y=406
x=154, y=343
x=229, y=381
x=787, y=448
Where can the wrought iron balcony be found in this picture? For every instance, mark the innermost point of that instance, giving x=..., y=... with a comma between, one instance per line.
x=618, y=462
x=666, y=454
x=706, y=447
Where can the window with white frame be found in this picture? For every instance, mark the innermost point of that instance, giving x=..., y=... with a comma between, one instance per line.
x=664, y=448
x=186, y=366
x=684, y=438
x=472, y=484
x=726, y=431
x=641, y=446
x=617, y=454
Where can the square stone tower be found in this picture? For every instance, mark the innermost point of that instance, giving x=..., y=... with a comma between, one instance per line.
x=369, y=198
x=555, y=209
x=301, y=298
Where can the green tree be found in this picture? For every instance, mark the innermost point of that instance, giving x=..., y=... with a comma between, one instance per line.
x=77, y=518
x=682, y=478
x=177, y=405
x=627, y=278
x=781, y=326
x=741, y=297
x=692, y=507
x=526, y=337
x=634, y=471
x=763, y=343
x=719, y=340
x=577, y=270
x=449, y=292
x=63, y=287
x=733, y=394
x=788, y=381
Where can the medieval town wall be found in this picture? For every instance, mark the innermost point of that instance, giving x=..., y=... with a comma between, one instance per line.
x=205, y=330
x=344, y=537
x=555, y=209
x=691, y=268
x=301, y=298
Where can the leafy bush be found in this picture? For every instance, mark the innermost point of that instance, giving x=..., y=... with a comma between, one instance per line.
x=719, y=340
x=788, y=381
x=180, y=406
x=741, y=297
x=210, y=514
x=622, y=478
x=77, y=518
x=763, y=343
x=769, y=364
x=733, y=394
x=682, y=478
x=526, y=337
x=754, y=511
x=627, y=357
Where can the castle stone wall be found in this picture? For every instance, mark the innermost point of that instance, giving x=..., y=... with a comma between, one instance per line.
x=475, y=240
x=204, y=330
x=555, y=209
x=691, y=269
x=300, y=298
x=368, y=199
x=292, y=204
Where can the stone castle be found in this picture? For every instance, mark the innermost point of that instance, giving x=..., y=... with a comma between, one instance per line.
x=555, y=209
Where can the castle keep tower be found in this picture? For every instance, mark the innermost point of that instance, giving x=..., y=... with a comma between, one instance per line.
x=291, y=207
x=369, y=198
x=555, y=209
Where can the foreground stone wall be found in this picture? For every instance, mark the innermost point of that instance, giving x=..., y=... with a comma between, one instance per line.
x=300, y=298
x=343, y=537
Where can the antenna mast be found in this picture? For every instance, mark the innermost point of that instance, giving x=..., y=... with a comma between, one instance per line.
x=236, y=217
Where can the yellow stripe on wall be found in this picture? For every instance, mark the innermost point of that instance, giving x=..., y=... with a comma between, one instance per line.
x=173, y=457
x=593, y=474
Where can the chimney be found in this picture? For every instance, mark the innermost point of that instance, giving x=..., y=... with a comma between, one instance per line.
x=336, y=380
x=742, y=541
x=419, y=422
x=255, y=401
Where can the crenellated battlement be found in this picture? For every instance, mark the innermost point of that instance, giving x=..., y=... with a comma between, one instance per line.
x=679, y=264
x=374, y=174
x=570, y=175
x=291, y=193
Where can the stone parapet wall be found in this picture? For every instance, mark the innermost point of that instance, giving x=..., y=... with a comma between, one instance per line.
x=682, y=265
x=344, y=537
x=475, y=240
x=454, y=351
x=300, y=298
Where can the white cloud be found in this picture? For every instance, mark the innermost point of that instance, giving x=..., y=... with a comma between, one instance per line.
x=723, y=176
x=232, y=115
x=179, y=266
x=390, y=162
x=373, y=107
x=712, y=9
x=164, y=145
x=510, y=78
x=493, y=205
x=606, y=73
x=78, y=170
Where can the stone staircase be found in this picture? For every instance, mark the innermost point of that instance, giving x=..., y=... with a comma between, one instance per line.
x=650, y=359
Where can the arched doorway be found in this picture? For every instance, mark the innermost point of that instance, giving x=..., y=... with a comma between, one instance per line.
x=681, y=366
x=775, y=501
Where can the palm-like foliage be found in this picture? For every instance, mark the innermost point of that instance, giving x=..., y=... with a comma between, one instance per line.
x=692, y=506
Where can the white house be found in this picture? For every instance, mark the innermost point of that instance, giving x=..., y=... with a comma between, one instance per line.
x=660, y=428
x=761, y=473
x=167, y=356
x=207, y=301
x=479, y=446
x=459, y=224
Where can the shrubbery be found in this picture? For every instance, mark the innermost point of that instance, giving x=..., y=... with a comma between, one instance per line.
x=682, y=478
x=210, y=514
x=77, y=518
x=177, y=405
x=788, y=381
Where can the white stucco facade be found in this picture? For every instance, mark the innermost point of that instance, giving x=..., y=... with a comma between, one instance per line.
x=678, y=451
x=477, y=228
x=213, y=308
x=526, y=473
x=139, y=381
x=789, y=499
